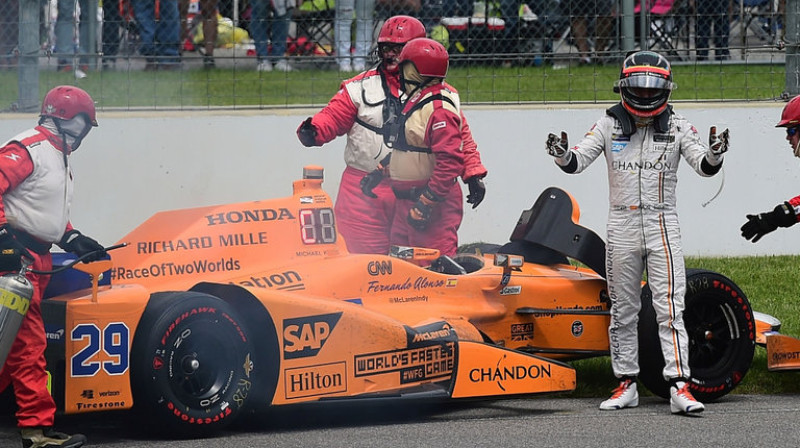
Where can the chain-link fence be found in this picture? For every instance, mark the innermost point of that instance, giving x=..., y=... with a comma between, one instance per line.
x=134, y=54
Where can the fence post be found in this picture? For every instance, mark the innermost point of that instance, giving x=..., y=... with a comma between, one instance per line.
x=28, y=79
x=792, y=39
x=628, y=33
x=91, y=44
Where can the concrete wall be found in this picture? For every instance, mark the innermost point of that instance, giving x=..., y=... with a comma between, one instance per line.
x=136, y=164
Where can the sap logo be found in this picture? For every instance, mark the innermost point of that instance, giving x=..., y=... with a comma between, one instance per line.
x=618, y=146
x=379, y=267
x=305, y=336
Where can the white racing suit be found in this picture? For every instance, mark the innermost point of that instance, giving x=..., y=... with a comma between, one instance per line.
x=643, y=229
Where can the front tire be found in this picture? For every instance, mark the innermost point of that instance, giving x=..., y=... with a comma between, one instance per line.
x=721, y=330
x=191, y=363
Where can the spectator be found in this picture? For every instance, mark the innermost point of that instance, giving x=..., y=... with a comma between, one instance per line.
x=365, y=205
x=160, y=39
x=208, y=14
x=581, y=13
x=363, y=11
x=269, y=26
x=712, y=12
x=113, y=24
x=34, y=161
x=65, y=33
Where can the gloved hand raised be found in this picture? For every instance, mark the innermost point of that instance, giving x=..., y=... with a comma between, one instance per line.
x=80, y=244
x=477, y=191
x=420, y=214
x=11, y=251
x=307, y=133
x=558, y=147
x=759, y=225
x=718, y=144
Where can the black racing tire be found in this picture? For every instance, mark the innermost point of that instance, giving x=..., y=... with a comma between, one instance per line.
x=721, y=328
x=191, y=363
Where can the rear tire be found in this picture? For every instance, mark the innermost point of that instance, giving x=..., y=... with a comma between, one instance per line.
x=721, y=330
x=191, y=363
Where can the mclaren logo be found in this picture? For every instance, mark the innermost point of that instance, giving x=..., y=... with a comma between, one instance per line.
x=442, y=333
x=503, y=374
x=305, y=336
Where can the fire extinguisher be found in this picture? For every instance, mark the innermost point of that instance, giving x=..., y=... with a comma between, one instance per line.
x=16, y=292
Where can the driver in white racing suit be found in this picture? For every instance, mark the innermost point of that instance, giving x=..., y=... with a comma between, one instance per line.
x=643, y=140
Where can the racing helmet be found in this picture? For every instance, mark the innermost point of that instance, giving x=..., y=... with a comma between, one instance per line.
x=67, y=102
x=645, y=83
x=428, y=57
x=790, y=117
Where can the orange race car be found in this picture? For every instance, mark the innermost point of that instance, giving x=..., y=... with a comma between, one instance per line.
x=211, y=311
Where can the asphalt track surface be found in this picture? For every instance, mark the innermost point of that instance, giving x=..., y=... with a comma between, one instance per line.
x=734, y=421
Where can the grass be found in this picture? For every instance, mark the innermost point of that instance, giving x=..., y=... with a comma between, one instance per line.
x=772, y=284
x=246, y=88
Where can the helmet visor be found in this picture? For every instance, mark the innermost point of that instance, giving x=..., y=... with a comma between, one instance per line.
x=646, y=81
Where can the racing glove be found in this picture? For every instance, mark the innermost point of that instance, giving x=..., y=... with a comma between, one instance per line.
x=477, y=191
x=559, y=148
x=420, y=214
x=307, y=133
x=717, y=145
x=759, y=225
x=371, y=180
x=80, y=245
x=11, y=251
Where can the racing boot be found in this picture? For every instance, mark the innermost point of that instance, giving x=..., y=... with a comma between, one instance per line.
x=681, y=400
x=624, y=396
x=46, y=437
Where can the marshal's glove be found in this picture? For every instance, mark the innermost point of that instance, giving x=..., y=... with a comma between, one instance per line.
x=80, y=245
x=559, y=147
x=759, y=225
x=11, y=251
x=420, y=214
x=371, y=180
x=477, y=191
x=307, y=133
x=717, y=144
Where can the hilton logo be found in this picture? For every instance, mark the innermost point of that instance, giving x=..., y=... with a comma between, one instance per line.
x=316, y=380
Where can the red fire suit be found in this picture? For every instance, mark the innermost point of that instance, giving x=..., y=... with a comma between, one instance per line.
x=33, y=162
x=429, y=155
x=357, y=110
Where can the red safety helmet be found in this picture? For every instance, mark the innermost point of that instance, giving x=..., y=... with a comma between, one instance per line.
x=400, y=29
x=429, y=57
x=65, y=102
x=790, y=117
